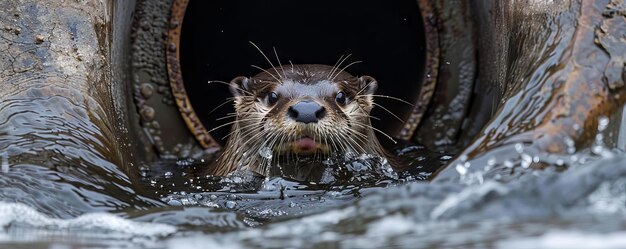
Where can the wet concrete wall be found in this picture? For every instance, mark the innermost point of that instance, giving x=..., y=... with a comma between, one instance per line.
x=556, y=67
x=63, y=103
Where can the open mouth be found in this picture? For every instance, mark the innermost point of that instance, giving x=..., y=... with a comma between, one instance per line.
x=306, y=146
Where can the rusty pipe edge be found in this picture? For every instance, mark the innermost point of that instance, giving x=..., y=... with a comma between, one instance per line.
x=429, y=79
x=177, y=85
x=555, y=88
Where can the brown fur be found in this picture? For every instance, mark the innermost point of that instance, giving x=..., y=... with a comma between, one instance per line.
x=260, y=125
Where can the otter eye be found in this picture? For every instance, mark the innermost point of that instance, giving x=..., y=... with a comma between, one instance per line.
x=341, y=98
x=272, y=98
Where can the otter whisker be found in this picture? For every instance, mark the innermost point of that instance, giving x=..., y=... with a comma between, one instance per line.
x=358, y=133
x=226, y=124
x=387, y=110
x=351, y=142
x=336, y=67
x=267, y=161
x=347, y=143
x=279, y=63
x=245, y=131
x=358, y=94
x=334, y=144
x=346, y=67
x=291, y=66
x=229, y=84
x=234, y=114
x=228, y=100
x=394, y=98
x=227, y=116
x=375, y=129
x=362, y=137
x=271, y=74
x=268, y=59
x=340, y=142
x=232, y=122
x=325, y=154
x=316, y=136
x=366, y=116
x=280, y=148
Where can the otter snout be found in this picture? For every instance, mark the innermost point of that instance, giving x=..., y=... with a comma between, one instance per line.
x=306, y=111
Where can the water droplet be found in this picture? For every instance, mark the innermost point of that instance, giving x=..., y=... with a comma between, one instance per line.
x=168, y=174
x=174, y=203
x=462, y=170
x=231, y=204
x=265, y=152
x=491, y=161
x=519, y=148
x=508, y=164
x=535, y=159
x=467, y=164
x=328, y=161
x=597, y=149
x=213, y=197
x=603, y=122
x=526, y=160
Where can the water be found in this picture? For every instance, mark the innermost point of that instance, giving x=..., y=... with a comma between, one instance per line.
x=78, y=197
x=583, y=206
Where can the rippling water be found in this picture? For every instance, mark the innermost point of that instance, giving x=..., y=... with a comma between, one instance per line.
x=581, y=207
x=77, y=198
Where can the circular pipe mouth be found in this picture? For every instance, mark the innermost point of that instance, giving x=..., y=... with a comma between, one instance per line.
x=210, y=41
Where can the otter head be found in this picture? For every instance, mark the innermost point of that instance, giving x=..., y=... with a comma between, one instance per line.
x=300, y=111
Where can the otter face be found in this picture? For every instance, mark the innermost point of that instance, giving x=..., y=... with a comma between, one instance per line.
x=304, y=110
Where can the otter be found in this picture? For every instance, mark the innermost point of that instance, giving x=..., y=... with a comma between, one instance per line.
x=296, y=116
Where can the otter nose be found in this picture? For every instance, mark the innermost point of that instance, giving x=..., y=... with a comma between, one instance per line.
x=306, y=112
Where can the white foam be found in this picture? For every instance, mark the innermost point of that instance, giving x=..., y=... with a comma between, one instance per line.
x=467, y=195
x=202, y=242
x=22, y=215
x=568, y=240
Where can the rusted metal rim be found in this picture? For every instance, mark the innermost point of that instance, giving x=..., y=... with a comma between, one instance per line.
x=429, y=80
x=181, y=98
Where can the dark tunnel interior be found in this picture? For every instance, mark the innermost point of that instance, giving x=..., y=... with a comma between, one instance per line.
x=387, y=36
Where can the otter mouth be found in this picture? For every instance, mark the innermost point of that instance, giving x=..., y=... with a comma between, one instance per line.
x=305, y=146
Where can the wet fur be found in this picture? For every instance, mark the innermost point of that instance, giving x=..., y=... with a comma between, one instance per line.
x=258, y=124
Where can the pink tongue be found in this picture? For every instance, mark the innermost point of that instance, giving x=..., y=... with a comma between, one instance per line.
x=305, y=143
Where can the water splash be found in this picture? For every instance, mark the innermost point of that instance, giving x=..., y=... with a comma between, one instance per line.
x=20, y=215
x=5, y=163
x=265, y=152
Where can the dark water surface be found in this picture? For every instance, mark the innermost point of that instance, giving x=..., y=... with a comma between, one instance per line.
x=81, y=200
x=581, y=207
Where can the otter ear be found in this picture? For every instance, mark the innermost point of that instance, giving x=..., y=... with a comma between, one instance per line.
x=367, y=85
x=240, y=86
